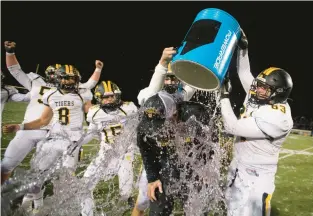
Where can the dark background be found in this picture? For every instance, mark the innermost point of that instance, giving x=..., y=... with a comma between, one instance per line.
x=129, y=38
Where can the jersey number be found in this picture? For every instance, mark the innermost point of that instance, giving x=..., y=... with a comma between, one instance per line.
x=114, y=130
x=43, y=89
x=280, y=107
x=64, y=116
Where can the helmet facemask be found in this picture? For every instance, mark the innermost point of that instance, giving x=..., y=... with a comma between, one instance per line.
x=51, y=76
x=68, y=78
x=260, y=93
x=68, y=83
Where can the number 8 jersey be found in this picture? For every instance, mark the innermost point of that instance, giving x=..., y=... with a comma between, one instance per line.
x=68, y=109
x=37, y=87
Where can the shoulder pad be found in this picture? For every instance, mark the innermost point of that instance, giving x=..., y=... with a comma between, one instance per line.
x=97, y=106
x=33, y=76
x=82, y=90
x=127, y=102
x=274, y=120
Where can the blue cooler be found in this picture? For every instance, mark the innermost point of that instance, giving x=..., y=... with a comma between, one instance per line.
x=203, y=58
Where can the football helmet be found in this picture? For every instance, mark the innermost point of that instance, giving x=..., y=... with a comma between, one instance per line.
x=68, y=77
x=51, y=76
x=106, y=89
x=277, y=83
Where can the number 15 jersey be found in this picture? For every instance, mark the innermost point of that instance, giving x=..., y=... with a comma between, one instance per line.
x=110, y=124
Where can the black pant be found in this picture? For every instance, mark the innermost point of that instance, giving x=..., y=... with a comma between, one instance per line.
x=164, y=204
x=170, y=174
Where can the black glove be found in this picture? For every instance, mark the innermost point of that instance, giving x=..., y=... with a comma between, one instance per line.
x=9, y=46
x=243, y=42
x=226, y=88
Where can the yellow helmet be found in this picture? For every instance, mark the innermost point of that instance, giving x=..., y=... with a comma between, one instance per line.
x=51, y=76
x=68, y=72
x=108, y=88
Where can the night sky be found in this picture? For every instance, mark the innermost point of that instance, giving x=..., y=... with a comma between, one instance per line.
x=129, y=38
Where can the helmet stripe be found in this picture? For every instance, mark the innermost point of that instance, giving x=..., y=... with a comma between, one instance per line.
x=67, y=69
x=109, y=86
x=105, y=87
x=71, y=69
x=270, y=70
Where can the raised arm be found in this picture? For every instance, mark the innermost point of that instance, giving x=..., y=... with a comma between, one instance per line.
x=94, y=79
x=243, y=64
x=14, y=66
x=243, y=69
x=157, y=80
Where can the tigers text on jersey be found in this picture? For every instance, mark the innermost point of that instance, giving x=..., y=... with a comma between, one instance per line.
x=6, y=93
x=256, y=153
x=36, y=86
x=111, y=123
x=68, y=109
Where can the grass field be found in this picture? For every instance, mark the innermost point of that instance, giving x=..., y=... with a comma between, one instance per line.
x=294, y=180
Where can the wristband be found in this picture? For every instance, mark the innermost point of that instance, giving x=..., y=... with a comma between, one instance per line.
x=9, y=54
x=98, y=70
x=21, y=126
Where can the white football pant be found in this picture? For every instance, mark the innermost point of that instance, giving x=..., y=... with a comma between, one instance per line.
x=249, y=191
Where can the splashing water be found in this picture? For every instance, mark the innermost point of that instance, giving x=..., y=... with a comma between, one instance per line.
x=200, y=171
x=71, y=191
x=45, y=165
x=200, y=158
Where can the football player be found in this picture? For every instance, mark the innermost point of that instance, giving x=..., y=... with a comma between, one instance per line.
x=170, y=89
x=24, y=141
x=264, y=125
x=161, y=160
x=64, y=107
x=9, y=93
x=108, y=118
x=163, y=79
